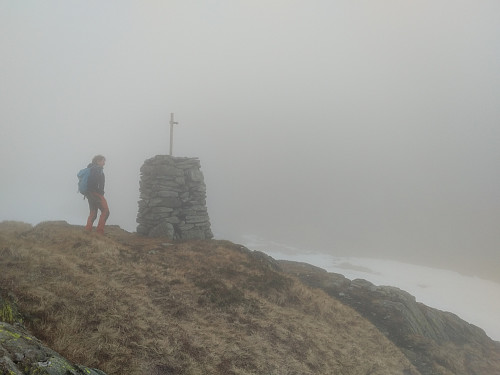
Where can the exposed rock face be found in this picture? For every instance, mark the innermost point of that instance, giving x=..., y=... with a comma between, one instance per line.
x=21, y=353
x=436, y=342
x=173, y=199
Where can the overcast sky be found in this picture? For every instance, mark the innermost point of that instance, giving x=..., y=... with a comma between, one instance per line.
x=364, y=127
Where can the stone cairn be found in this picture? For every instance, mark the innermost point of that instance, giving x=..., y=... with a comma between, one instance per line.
x=173, y=199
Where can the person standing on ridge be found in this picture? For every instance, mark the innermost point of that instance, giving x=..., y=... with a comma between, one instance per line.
x=95, y=194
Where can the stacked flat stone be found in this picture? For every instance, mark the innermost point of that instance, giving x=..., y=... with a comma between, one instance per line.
x=173, y=199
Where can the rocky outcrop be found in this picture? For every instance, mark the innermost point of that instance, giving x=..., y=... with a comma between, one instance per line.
x=173, y=199
x=436, y=342
x=22, y=353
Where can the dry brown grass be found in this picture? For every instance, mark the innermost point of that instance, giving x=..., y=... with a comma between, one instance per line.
x=133, y=305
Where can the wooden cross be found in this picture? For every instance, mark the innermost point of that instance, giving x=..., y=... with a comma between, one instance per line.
x=172, y=123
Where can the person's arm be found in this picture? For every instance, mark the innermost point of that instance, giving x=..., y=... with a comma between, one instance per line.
x=102, y=181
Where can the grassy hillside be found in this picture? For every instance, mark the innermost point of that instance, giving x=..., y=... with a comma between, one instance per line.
x=132, y=305
x=435, y=341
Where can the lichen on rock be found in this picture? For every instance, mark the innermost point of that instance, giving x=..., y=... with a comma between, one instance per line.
x=22, y=353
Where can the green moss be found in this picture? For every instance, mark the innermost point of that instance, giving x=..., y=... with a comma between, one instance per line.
x=12, y=334
x=9, y=312
x=6, y=313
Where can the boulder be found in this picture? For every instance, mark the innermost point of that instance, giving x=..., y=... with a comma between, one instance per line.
x=22, y=353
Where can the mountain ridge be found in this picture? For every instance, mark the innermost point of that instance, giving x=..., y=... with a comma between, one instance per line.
x=129, y=304
x=418, y=330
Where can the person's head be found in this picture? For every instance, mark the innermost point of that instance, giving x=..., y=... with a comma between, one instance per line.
x=99, y=160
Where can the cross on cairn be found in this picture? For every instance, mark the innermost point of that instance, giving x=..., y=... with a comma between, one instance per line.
x=172, y=123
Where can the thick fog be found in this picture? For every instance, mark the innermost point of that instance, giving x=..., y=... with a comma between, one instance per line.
x=363, y=128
